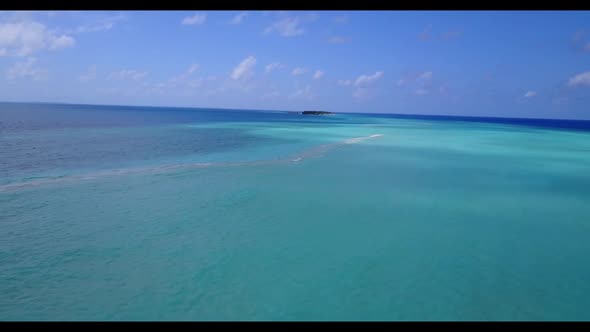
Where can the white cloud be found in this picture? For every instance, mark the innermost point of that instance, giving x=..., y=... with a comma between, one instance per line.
x=304, y=93
x=238, y=18
x=318, y=74
x=427, y=75
x=193, y=68
x=362, y=84
x=27, y=37
x=26, y=69
x=195, y=19
x=61, y=42
x=273, y=66
x=421, y=83
x=102, y=24
x=298, y=71
x=89, y=75
x=420, y=80
x=368, y=79
x=184, y=84
x=286, y=27
x=530, y=94
x=580, y=79
x=337, y=40
x=244, y=68
x=183, y=77
x=22, y=38
x=127, y=74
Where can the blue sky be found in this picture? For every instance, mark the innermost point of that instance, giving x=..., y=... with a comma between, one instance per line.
x=512, y=63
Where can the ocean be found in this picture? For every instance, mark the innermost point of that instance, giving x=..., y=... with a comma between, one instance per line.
x=154, y=213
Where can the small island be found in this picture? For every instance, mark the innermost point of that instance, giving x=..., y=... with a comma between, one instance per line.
x=316, y=113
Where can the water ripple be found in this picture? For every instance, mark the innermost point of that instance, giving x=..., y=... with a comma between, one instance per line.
x=302, y=155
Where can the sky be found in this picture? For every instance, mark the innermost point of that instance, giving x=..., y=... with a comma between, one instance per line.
x=477, y=63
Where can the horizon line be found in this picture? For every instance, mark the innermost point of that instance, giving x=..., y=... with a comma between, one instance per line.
x=279, y=110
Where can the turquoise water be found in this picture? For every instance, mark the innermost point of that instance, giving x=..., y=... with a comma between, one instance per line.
x=114, y=213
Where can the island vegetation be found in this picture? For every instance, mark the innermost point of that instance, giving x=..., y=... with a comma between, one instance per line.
x=316, y=113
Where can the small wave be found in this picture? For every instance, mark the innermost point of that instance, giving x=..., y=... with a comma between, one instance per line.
x=302, y=155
